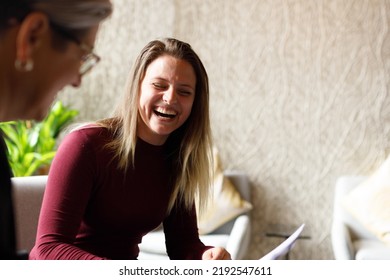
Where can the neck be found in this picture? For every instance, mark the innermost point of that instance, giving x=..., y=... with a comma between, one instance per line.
x=155, y=141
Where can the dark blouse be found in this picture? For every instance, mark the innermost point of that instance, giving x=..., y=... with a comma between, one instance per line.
x=7, y=226
x=93, y=210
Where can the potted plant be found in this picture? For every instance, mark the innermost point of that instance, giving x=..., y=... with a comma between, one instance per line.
x=32, y=145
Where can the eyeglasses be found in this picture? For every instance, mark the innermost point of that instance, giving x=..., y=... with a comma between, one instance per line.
x=89, y=60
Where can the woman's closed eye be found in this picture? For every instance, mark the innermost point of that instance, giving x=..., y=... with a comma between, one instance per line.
x=159, y=86
x=184, y=92
x=180, y=91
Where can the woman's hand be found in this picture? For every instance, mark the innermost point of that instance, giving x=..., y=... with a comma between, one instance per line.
x=217, y=253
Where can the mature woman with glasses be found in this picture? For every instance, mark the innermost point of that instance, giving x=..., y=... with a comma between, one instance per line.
x=115, y=180
x=45, y=45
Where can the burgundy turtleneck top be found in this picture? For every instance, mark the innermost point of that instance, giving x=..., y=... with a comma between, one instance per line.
x=93, y=210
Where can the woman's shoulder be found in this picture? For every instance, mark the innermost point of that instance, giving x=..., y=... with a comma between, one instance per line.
x=89, y=132
x=88, y=128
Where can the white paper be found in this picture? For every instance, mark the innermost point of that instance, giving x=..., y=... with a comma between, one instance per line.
x=285, y=246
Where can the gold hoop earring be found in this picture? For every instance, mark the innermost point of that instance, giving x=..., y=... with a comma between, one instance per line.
x=24, y=66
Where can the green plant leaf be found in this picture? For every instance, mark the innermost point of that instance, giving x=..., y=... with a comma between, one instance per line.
x=39, y=161
x=32, y=145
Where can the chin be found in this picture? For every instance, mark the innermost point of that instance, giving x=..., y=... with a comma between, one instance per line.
x=163, y=132
x=38, y=115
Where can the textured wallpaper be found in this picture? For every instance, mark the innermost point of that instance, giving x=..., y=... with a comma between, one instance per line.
x=299, y=95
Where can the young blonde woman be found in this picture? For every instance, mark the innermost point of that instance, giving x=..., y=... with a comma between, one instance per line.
x=114, y=181
x=44, y=46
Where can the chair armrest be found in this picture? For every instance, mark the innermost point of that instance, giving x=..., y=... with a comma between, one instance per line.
x=239, y=238
x=27, y=195
x=341, y=242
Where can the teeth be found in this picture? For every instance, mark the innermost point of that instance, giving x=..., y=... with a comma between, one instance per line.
x=165, y=111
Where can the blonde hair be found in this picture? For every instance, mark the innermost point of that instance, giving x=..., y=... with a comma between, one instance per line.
x=190, y=145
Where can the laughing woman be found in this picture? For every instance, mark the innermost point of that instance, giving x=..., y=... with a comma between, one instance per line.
x=115, y=180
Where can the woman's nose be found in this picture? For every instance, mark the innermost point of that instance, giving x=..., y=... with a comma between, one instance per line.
x=169, y=96
x=77, y=81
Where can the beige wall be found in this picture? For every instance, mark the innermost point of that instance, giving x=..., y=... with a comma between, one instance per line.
x=299, y=94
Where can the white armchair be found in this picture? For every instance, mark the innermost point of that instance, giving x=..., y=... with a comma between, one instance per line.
x=233, y=235
x=350, y=240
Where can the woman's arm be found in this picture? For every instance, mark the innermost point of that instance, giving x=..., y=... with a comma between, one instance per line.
x=66, y=196
x=181, y=235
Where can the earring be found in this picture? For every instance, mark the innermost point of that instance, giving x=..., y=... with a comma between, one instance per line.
x=24, y=66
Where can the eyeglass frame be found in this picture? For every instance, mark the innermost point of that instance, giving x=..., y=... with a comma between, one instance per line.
x=89, y=60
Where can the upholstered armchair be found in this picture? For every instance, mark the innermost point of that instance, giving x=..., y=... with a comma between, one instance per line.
x=351, y=239
x=27, y=195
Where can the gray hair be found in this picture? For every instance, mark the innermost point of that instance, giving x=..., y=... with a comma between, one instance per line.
x=73, y=14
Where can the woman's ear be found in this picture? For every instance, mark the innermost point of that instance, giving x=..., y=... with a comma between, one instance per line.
x=31, y=33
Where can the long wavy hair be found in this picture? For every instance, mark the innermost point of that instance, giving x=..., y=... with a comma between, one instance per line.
x=190, y=145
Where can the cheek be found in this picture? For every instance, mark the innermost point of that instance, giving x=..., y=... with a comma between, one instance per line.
x=147, y=99
x=187, y=108
x=60, y=78
x=63, y=64
x=143, y=104
x=57, y=82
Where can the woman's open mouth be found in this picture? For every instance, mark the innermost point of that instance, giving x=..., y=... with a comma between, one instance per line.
x=165, y=113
